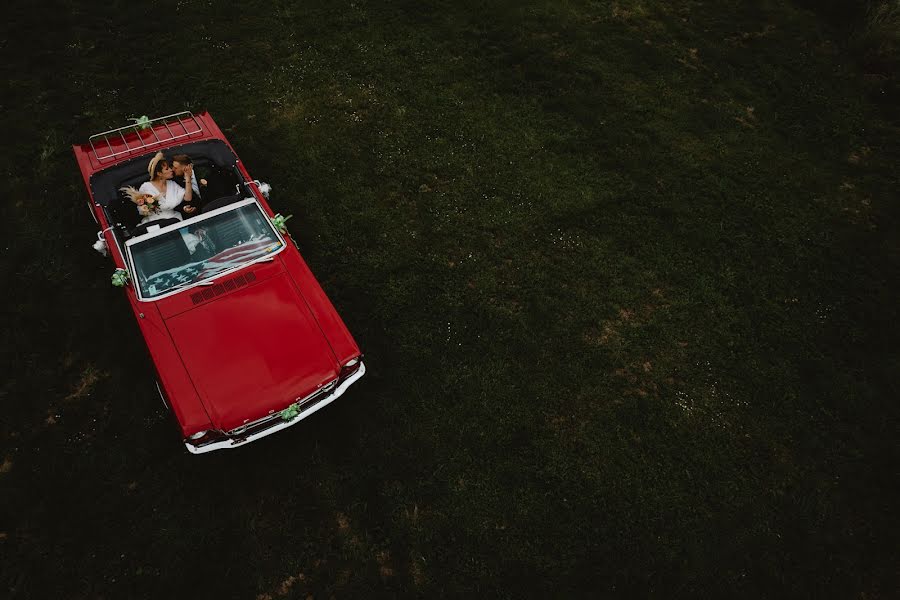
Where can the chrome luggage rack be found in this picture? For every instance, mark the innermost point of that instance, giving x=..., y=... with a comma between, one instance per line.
x=115, y=142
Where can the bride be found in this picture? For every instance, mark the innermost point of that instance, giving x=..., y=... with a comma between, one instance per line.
x=170, y=194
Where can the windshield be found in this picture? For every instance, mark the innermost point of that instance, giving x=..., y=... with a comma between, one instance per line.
x=201, y=248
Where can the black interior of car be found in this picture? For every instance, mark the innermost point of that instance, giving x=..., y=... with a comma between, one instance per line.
x=223, y=201
x=213, y=160
x=143, y=227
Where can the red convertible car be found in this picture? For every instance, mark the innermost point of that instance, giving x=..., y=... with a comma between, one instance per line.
x=244, y=340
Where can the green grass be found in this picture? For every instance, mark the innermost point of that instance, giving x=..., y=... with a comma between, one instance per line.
x=625, y=274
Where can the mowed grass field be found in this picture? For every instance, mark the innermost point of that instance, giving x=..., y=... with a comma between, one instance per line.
x=625, y=274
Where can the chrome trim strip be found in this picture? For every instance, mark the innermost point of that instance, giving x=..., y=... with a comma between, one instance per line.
x=231, y=444
x=192, y=220
x=161, y=397
x=322, y=391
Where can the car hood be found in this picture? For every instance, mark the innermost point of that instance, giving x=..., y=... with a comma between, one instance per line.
x=253, y=351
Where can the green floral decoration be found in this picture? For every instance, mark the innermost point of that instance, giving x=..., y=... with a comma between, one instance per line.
x=143, y=122
x=290, y=412
x=279, y=222
x=120, y=277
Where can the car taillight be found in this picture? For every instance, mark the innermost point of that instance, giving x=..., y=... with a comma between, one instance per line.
x=350, y=367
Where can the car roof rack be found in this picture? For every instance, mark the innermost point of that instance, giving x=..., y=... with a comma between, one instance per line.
x=144, y=134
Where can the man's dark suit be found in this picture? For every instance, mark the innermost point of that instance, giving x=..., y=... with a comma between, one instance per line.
x=196, y=199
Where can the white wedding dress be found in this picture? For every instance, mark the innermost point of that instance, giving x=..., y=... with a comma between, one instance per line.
x=167, y=204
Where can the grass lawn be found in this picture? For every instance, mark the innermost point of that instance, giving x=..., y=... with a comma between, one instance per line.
x=625, y=274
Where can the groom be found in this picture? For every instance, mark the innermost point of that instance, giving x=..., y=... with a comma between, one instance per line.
x=184, y=169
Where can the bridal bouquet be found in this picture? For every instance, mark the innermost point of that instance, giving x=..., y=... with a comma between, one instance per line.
x=146, y=203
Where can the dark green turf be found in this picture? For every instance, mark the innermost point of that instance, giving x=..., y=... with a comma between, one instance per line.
x=625, y=274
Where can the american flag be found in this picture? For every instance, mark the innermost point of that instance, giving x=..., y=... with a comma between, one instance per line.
x=236, y=256
x=161, y=282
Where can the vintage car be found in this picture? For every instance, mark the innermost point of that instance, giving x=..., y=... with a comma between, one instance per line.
x=243, y=338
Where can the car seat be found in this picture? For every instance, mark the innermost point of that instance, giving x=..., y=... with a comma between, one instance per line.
x=163, y=253
x=143, y=227
x=223, y=201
